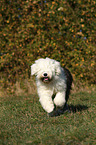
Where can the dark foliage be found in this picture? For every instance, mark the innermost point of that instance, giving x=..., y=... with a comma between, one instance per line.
x=62, y=30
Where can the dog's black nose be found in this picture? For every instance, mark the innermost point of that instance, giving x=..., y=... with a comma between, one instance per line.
x=45, y=74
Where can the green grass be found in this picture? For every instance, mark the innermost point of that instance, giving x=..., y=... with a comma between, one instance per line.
x=24, y=122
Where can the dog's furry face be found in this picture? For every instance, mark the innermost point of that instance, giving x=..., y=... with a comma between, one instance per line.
x=45, y=69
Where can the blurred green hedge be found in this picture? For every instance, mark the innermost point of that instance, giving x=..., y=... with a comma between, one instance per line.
x=62, y=30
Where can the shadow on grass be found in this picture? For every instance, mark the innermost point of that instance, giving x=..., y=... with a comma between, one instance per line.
x=77, y=108
x=68, y=109
x=73, y=108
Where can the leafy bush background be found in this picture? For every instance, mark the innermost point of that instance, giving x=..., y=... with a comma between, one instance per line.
x=62, y=30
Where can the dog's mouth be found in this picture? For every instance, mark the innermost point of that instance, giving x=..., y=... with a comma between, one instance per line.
x=45, y=79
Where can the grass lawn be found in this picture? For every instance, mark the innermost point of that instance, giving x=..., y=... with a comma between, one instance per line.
x=24, y=122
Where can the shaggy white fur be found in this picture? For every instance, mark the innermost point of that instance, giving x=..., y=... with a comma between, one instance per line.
x=50, y=80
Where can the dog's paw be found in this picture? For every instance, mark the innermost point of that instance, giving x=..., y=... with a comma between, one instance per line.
x=63, y=110
x=59, y=111
x=53, y=113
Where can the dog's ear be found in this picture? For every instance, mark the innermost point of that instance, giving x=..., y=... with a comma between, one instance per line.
x=33, y=69
x=57, y=68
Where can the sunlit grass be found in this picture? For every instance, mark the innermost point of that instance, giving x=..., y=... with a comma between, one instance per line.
x=23, y=121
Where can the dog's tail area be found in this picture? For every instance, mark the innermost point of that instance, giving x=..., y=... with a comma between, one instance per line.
x=69, y=82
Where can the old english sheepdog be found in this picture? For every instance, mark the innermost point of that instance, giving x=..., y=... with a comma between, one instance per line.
x=53, y=85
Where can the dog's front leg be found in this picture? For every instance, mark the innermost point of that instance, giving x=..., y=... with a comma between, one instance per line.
x=46, y=102
x=59, y=99
x=60, y=102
